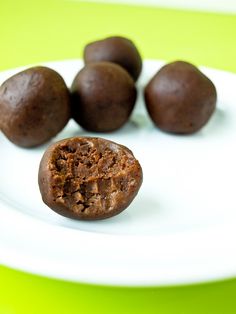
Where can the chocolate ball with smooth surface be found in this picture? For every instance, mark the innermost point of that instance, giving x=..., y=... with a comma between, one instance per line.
x=88, y=178
x=115, y=49
x=103, y=97
x=34, y=106
x=180, y=98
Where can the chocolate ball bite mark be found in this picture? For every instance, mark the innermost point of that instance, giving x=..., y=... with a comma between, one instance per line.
x=34, y=105
x=115, y=49
x=89, y=178
x=103, y=97
x=180, y=98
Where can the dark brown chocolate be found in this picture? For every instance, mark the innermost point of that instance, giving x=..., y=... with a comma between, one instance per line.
x=103, y=97
x=180, y=98
x=34, y=106
x=88, y=178
x=116, y=49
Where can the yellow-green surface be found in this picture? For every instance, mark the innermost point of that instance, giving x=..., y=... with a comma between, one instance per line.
x=22, y=293
x=31, y=32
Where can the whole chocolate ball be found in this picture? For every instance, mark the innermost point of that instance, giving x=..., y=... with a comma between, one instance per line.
x=34, y=106
x=180, y=98
x=88, y=178
x=117, y=49
x=103, y=97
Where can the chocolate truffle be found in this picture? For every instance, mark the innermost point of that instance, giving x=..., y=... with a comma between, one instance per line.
x=117, y=49
x=103, y=97
x=180, y=98
x=88, y=178
x=34, y=106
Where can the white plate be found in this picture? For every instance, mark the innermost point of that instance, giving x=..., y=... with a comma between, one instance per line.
x=181, y=228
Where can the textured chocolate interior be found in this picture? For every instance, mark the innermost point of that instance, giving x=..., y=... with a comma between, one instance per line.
x=92, y=178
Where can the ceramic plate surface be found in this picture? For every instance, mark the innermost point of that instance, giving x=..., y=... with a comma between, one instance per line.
x=181, y=228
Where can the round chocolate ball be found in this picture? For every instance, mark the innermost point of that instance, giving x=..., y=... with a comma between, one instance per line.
x=103, y=97
x=34, y=106
x=180, y=98
x=88, y=178
x=117, y=49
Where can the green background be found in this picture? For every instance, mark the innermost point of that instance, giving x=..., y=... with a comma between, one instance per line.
x=32, y=32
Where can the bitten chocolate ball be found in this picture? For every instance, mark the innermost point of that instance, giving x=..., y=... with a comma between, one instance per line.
x=180, y=98
x=103, y=97
x=88, y=178
x=34, y=106
x=117, y=49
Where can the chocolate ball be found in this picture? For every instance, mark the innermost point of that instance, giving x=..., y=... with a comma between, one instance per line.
x=103, y=97
x=88, y=178
x=180, y=98
x=34, y=106
x=117, y=49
